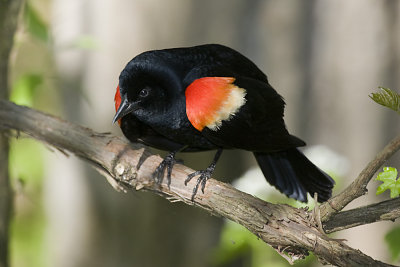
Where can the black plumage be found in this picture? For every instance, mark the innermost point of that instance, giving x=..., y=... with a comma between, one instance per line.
x=153, y=109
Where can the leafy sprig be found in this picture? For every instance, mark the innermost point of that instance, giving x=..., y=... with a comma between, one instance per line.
x=390, y=182
x=388, y=98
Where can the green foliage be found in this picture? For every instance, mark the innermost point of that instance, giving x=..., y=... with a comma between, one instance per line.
x=24, y=89
x=390, y=181
x=36, y=26
x=240, y=247
x=392, y=238
x=27, y=243
x=26, y=160
x=26, y=170
x=387, y=98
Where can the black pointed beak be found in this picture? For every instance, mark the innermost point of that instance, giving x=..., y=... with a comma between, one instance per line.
x=124, y=109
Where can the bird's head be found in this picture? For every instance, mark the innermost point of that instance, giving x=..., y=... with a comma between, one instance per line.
x=146, y=86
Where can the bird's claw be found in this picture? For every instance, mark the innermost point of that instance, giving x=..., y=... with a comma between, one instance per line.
x=168, y=163
x=204, y=176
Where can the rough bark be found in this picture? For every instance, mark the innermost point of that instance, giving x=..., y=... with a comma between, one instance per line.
x=388, y=210
x=292, y=232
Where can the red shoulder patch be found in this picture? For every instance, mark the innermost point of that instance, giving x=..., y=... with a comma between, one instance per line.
x=211, y=100
x=117, y=101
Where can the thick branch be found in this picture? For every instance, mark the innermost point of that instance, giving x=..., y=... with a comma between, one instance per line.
x=285, y=228
x=359, y=186
x=388, y=210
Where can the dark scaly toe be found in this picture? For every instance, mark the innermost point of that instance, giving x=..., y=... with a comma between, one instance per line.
x=168, y=163
x=204, y=175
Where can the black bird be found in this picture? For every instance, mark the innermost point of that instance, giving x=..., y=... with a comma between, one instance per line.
x=211, y=97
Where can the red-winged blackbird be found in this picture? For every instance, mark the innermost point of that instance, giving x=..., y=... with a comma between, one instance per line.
x=211, y=97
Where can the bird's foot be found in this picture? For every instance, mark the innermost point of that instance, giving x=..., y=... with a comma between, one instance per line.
x=204, y=176
x=168, y=163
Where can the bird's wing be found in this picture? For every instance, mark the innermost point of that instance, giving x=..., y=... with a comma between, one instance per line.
x=253, y=118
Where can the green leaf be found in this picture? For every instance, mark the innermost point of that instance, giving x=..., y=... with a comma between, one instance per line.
x=36, y=26
x=390, y=181
x=387, y=98
x=392, y=239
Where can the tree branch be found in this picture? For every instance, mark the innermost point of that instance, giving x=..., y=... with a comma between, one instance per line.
x=388, y=210
x=359, y=187
x=290, y=231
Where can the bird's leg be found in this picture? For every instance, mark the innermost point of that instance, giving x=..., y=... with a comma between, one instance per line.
x=204, y=174
x=168, y=163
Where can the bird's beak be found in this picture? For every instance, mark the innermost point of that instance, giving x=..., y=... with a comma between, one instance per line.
x=124, y=109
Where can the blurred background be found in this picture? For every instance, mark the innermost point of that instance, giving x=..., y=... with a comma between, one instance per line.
x=323, y=57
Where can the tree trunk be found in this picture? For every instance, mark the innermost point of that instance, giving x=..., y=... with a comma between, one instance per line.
x=9, y=11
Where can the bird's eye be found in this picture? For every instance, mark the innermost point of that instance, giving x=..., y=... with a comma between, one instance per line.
x=144, y=92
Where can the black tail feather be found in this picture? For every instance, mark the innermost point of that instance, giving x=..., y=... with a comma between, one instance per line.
x=294, y=175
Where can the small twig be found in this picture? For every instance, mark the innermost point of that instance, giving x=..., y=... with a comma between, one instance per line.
x=388, y=210
x=283, y=255
x=317, y=214
x=358, y=187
